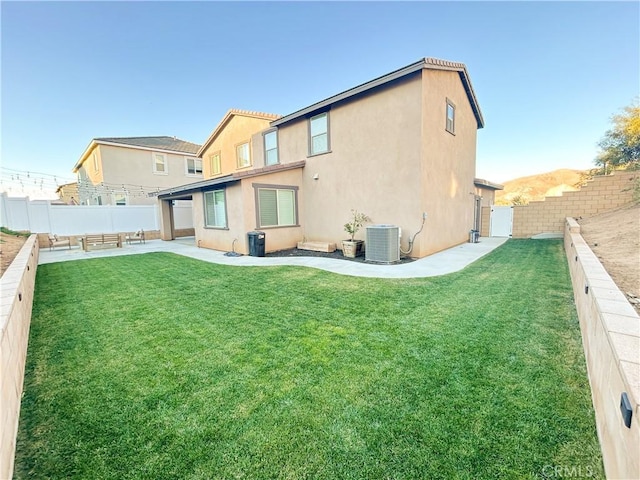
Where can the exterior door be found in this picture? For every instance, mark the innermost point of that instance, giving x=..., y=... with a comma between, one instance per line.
x=501, y=223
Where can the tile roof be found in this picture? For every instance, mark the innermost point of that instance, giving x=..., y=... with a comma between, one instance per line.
x=161, y=143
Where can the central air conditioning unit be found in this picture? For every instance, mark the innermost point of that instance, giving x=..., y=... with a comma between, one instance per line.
x=383, y=244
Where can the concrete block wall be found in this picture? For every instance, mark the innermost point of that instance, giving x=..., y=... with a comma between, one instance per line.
x=16, y=292
x=610, y=330
x=601, y=194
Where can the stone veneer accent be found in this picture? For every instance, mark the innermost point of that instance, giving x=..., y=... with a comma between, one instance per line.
x=16, y=289
x=610, y=330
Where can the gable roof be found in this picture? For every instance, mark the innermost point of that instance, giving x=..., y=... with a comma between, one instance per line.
x=227, y=118
x=159, y=144
x=424, y=63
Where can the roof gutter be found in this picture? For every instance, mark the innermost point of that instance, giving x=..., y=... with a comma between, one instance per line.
x=414, y=67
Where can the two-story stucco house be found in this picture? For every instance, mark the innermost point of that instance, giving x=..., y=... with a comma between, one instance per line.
x=395, y=148
x=123, y=171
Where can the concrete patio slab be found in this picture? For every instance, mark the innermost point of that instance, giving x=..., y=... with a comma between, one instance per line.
x=441, y=263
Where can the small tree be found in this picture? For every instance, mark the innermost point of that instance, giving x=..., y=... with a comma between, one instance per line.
x=620, y=146
x=358, y=219
x=520, y=200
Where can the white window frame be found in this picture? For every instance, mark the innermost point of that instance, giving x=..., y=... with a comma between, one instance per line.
x=266, y=151
x=164, y=163
x=450, y=121
x=195, y=161
x=219, y=223
x=248, y=159
x=277, y=188
x=96, y=164
x=123, y=195
x=218, y=170
x=326, y=132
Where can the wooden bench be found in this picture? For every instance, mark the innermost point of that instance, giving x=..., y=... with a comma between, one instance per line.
x=101, y=240
x=55, y=241
x=135, y=237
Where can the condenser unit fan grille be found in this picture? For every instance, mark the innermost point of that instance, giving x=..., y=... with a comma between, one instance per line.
x=383, y=244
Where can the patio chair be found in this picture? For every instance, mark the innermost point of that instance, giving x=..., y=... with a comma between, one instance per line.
x=135, y=237
x=55, y=241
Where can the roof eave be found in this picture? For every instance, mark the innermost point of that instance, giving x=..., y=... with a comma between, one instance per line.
x=193, y=187
x=230, y=113
x=481, y=182
x=414, y=67
x=83, y=157
x=424, y=63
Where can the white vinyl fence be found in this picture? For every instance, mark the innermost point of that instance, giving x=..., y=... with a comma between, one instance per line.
x=40, y=216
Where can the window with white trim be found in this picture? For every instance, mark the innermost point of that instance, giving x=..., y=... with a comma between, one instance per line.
x=96, y=165
x=214, y=163
x=160, y=164
x=194, y=166
x=276, y=207
x=120, y=198
x=451, y=117
x=243, y=156
x=215, y=210
x=271, y=148
x=319, y=134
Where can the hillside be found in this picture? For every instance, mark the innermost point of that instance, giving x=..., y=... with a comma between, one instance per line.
x=536, y=187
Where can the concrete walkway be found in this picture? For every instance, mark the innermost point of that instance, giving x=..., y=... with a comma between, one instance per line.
x=441, y=263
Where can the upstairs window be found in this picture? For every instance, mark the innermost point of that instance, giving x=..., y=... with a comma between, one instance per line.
x=271, y=148
x=243, y=156
x=160, y=164
x=96, y=165
x=319, y=134
x=194, y=166
x=451, y=117
x=214, y=163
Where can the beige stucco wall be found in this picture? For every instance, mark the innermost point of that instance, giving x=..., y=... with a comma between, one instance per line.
x=241, y=216
x=17, y=288
x=123, y=169
x=372, y=166
x=398, y=163
x=610, y=330
x=390, y=157
x=449, y=163
x=488, y=195
x=131, y=166
x=237, y=129
x=88, y=173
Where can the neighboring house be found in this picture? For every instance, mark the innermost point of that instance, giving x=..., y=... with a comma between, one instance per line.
x=68, y=193
x=396, y=147
x=123, y=171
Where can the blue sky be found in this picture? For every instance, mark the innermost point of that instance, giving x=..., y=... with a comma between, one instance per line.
x=548, y=75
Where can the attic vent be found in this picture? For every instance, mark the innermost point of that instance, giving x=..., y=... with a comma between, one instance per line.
x=383, y=244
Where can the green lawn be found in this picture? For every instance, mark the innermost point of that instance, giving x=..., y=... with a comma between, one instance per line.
x=158, y=366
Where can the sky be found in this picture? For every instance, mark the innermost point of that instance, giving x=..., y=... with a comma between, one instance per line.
x=548, y=75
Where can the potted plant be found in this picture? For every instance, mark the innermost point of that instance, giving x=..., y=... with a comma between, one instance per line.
x=353, y=248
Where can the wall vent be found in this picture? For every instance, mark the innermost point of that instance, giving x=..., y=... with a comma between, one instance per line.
x=383, y=244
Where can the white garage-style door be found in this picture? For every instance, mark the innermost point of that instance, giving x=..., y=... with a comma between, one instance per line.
x=501, y=224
